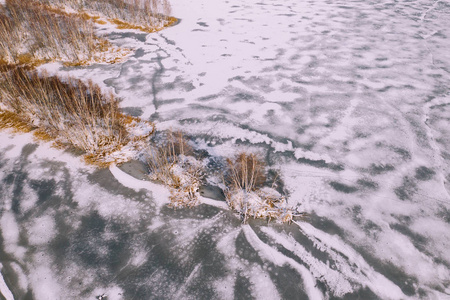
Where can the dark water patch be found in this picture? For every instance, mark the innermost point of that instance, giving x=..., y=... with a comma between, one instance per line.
x=424, y=174
x=367, y=184
x=174, y=263
x=208, y=98
x=212, y=192
x=45, y=189
x=12, y=282
x=378, y=169
x=141, y=37
x=17, y=179
x=199, y=212
x=242, y=288
x=133, y=111
x=356, y=214
x=211, y=266
x=139, y=53
x=27, y=150
x=444, y=214
x=88, y=242
x=321, y=164
x=245, y=96
x=405, y=154
x=102, y=246
x=106, y=180
x=404, y=281
x=288, y=282
x=136, y=169
x=418, y=240
x=60, y=245
x=202, y=24
x=216, y=165
x=309, y=244
x=245, y=250
x=371, y=229
x=343, y=188
x=8, y=273
x=407, y=190
x=324, y=224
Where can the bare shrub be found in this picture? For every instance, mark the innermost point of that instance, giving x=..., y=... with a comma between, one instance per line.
x=245, y=192
x=70, y=111
x=170, y=163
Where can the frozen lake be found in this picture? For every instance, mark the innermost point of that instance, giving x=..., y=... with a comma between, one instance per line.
x=349, y=100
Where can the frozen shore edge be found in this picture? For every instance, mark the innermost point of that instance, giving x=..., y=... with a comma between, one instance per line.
x=4, y=289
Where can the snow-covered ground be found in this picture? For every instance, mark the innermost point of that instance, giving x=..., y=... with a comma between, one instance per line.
x=350, y=100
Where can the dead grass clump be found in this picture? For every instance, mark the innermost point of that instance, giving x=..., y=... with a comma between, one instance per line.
x=145, y=15
x=245, y=194
x=31, y=35
x=12, y=120
x=170, y=163
x=71, y=112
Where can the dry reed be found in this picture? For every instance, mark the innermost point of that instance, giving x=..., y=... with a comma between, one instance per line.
x=71, y=112
x=171, y=164
x=245, y=192
x=31, y=35
x=145, y=15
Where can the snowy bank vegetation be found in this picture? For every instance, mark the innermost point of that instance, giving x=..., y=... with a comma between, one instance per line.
x=246, y=193
x=32, y=35
x=145, y=15
x=171, y=162
x=70, y=112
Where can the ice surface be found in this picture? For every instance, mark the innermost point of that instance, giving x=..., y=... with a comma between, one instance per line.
x=4, y=290
x=350, y=101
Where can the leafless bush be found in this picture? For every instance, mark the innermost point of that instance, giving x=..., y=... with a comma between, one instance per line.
x=170, y=164
x=70, y=111
x=245, y=192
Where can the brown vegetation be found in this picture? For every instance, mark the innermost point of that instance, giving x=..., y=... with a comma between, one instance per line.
x=245, y=192
x=31, y=35
x=71, y=112
x=170, y=163
x=144, y=15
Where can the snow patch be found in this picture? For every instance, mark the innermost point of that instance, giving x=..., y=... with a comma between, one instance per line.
x=4, y=290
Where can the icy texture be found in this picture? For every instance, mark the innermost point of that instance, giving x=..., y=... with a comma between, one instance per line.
x=350, y=100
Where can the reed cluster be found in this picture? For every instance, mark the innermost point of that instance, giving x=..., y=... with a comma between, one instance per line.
x=68, y=111
x=30, y=34
x=146, y=15
x=171, y=163
x=246, y=193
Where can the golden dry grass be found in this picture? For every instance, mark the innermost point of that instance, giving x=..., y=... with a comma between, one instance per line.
x=171, y=164
x=246, y=195
x=246, y=172
x=145, y=15
x=11, y=120
x=70, y=112
x=32, y=34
